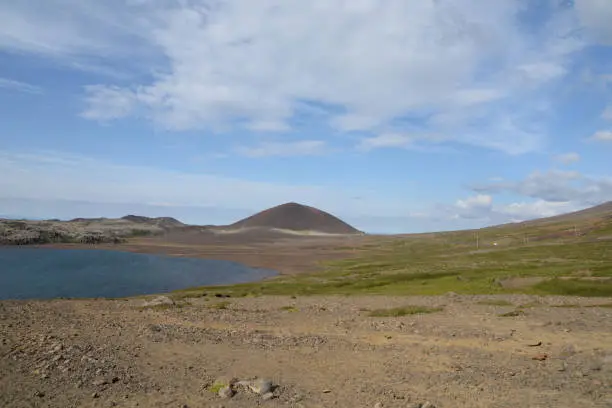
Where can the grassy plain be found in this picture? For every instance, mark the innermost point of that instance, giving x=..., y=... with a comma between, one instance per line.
x=546, y=257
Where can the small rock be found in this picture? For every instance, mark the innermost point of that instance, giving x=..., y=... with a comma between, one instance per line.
x=326, y=391
x=378, y=405
x=39, y=394
x=267, y=396
x=562, y=366
x=535, y=344
x=428, y=405
x=261, y=386
x=115, y=379
x=158, y=301
x=98, y=382
x=596, y=366
x=568, y=350
x=226, y=392
x=540, y=357
x=95, y=395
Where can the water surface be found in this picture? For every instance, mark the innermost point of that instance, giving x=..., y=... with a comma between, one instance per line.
x=44, y=273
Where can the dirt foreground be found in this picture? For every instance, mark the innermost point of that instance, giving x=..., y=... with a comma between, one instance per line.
x=317, y=351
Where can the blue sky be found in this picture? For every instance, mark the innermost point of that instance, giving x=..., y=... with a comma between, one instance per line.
x=398, y=116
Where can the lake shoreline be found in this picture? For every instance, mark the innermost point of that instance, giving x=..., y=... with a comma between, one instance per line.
x=46, y=272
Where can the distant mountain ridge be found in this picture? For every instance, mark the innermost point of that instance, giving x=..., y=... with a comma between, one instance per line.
x=296, y=217
x=164, y=222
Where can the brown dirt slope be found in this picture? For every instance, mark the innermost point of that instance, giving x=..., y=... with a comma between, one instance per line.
x=321, y=352
x=297, y=217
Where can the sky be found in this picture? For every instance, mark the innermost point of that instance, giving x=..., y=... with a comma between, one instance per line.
x=396, y=115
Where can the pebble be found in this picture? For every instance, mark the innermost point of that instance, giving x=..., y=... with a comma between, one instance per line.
x=378, y=405
x=160, y=300
x=596, y=366
x=226, y=392
x=267, y=396
x=562, y=366
x=98, y=382
x=428, y=405
x=39, y=394
x=95, y=395
x=261, y=386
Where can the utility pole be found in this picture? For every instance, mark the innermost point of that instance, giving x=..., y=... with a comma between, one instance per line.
x=477, y=239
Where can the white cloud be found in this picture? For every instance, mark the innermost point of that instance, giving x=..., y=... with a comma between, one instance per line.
x=556, y=186
x=468, y=97
x=412, y=141
x=370, y=62
x=473, y=207
x=108, y=103
x=59, y=176
x=385, y=140
x=298, y=148
x=478, y=201
x=602, y=136
x=522, y=211
x=482, y=210
x=542, y=71
x=567, y=158
x=596, y=16
x=11, y=84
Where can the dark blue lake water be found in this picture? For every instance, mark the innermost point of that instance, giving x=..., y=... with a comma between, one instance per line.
x=43, y=273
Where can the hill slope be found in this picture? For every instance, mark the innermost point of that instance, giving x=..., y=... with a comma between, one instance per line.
x=296, y=217
x=163, y=222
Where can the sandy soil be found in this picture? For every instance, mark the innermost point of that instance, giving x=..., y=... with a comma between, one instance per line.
x=319, y=351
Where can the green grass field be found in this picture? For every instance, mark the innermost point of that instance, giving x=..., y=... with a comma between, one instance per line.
x=566, y=263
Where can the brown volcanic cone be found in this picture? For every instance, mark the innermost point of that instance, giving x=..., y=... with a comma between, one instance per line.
x=296, y=217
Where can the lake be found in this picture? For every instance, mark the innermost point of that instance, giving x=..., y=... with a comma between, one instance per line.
x=44, y=273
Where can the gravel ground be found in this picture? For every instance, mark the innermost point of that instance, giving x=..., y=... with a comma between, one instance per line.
x=317, y=351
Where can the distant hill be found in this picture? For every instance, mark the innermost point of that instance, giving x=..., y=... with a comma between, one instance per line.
x=590, y=223
x=296, y=217
x=602, y=211
x=164, y=222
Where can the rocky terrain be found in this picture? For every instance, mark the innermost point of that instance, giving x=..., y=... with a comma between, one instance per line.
x=469, y=351
x=82, y=230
